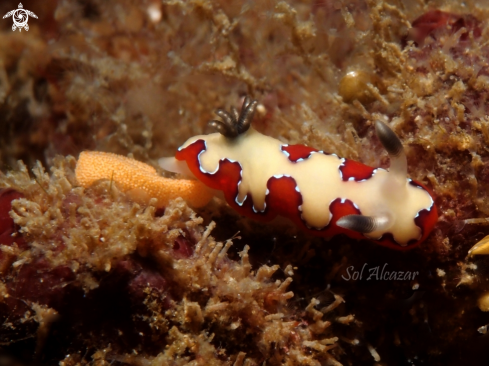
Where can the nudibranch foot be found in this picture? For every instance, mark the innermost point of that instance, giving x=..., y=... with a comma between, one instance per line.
x=175, y=166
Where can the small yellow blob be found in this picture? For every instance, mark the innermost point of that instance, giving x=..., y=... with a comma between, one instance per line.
x=354, y=85
x=482, y=247
x=483, y=302
x=140, y=181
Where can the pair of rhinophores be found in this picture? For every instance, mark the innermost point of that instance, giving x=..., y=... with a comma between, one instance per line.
x=261, y=177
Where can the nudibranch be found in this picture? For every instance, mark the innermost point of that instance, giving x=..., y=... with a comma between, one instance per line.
x=261, y=177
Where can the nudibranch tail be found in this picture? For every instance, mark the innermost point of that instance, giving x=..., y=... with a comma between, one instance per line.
x=140, y=181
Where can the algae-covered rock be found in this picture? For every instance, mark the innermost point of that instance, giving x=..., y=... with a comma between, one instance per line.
x=90, y=277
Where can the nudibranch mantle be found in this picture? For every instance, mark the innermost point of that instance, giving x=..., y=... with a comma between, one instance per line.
x=317, y=178
x=261, y=177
